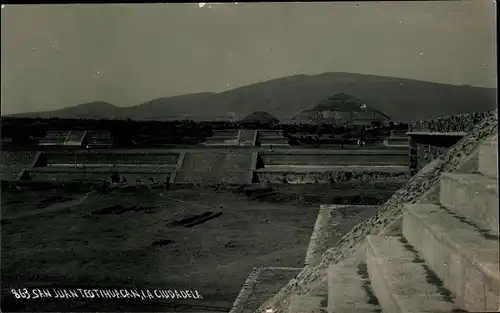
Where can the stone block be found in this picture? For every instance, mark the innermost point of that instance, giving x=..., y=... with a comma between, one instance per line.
x=472, y=196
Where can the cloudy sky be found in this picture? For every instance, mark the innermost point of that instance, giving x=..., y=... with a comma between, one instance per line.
x=62, y=55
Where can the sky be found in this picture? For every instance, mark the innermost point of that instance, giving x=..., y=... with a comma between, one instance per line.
x=54, y=56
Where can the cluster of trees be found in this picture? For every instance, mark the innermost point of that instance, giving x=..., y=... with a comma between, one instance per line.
x=130, y=132
x=124, y=132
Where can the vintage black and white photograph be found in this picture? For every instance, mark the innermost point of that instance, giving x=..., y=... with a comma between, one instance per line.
x=267, y=157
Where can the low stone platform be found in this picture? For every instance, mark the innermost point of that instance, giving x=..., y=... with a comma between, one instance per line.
x=213, y=166
x=399, y=141
x=216, y=167
x=260, y=285
x=328, y=228
x=128, y=174
x=332, y=174
x=335, y=157
x=349, y=289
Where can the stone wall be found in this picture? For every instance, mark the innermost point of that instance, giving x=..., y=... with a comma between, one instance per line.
x=111, y=158
x=456, y=123
x=21, y=158
x=91, y=176
x=335, y=178
x=425, y=149
x=335, y=158
x=12, y=163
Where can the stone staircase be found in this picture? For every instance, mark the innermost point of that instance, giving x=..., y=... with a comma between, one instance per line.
x=444, y=257
x=216, y=167
x=432, y=247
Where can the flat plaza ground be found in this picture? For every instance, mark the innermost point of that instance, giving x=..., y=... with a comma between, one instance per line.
x=142, y=238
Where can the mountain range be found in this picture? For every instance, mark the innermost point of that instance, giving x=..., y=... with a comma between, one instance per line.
x=401, y=99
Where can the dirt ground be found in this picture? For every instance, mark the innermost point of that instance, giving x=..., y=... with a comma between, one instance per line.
x=199, y=239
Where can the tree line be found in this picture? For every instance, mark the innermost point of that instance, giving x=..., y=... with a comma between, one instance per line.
x=128, y=132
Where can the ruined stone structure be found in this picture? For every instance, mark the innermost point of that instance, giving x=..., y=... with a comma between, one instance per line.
x=223, y=138
x=65, y=139
x=76, y=139
x=238, y=166
x=397, y=139
x=247, y=138
x=273, y=138
x=432, y=247
x=339, y=109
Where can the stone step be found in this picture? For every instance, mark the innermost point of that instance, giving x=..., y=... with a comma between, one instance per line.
x=488, y=159
x=401, y=281
x=349, y=290
x=463, y=257
x=305, y=304
x=472, y=196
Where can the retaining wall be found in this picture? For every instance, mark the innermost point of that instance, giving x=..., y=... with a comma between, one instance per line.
x=396, y=141
x=225, y=133
x=429, y=139
x=273, y=141
x=208, y=167
x=225, y=141
x=457, y=123
x=339, y=157
x=90, y=176
x=54, y=158
x=398, y=132
x=270, y=133
x=13, y=163
x=338, y=177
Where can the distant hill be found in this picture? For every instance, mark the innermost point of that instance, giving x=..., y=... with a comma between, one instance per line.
x=401, y=99
x=259, y=117
x=84, y=110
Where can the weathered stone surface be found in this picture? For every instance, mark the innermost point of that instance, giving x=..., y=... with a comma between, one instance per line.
x=12, y=163
x=270, y=133
x=247, y=137
x=366, y=157
x=456, y=123
x=401, y=281
x=472, y=196
x=303, y=304
x=215, y=167
x=428, y=153
x=327, y=229
x=260, y=285
x=117, y=157
x=396, y=176
x=464, y=258
x=488, y=159
x=129, y=177
x=225, y=133
x=349, y=289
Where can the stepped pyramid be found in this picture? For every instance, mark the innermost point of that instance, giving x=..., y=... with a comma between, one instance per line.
x=445, y=260
x=433, y=247
x=339, y=109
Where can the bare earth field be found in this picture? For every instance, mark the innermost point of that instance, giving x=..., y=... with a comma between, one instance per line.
x=200, y=239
